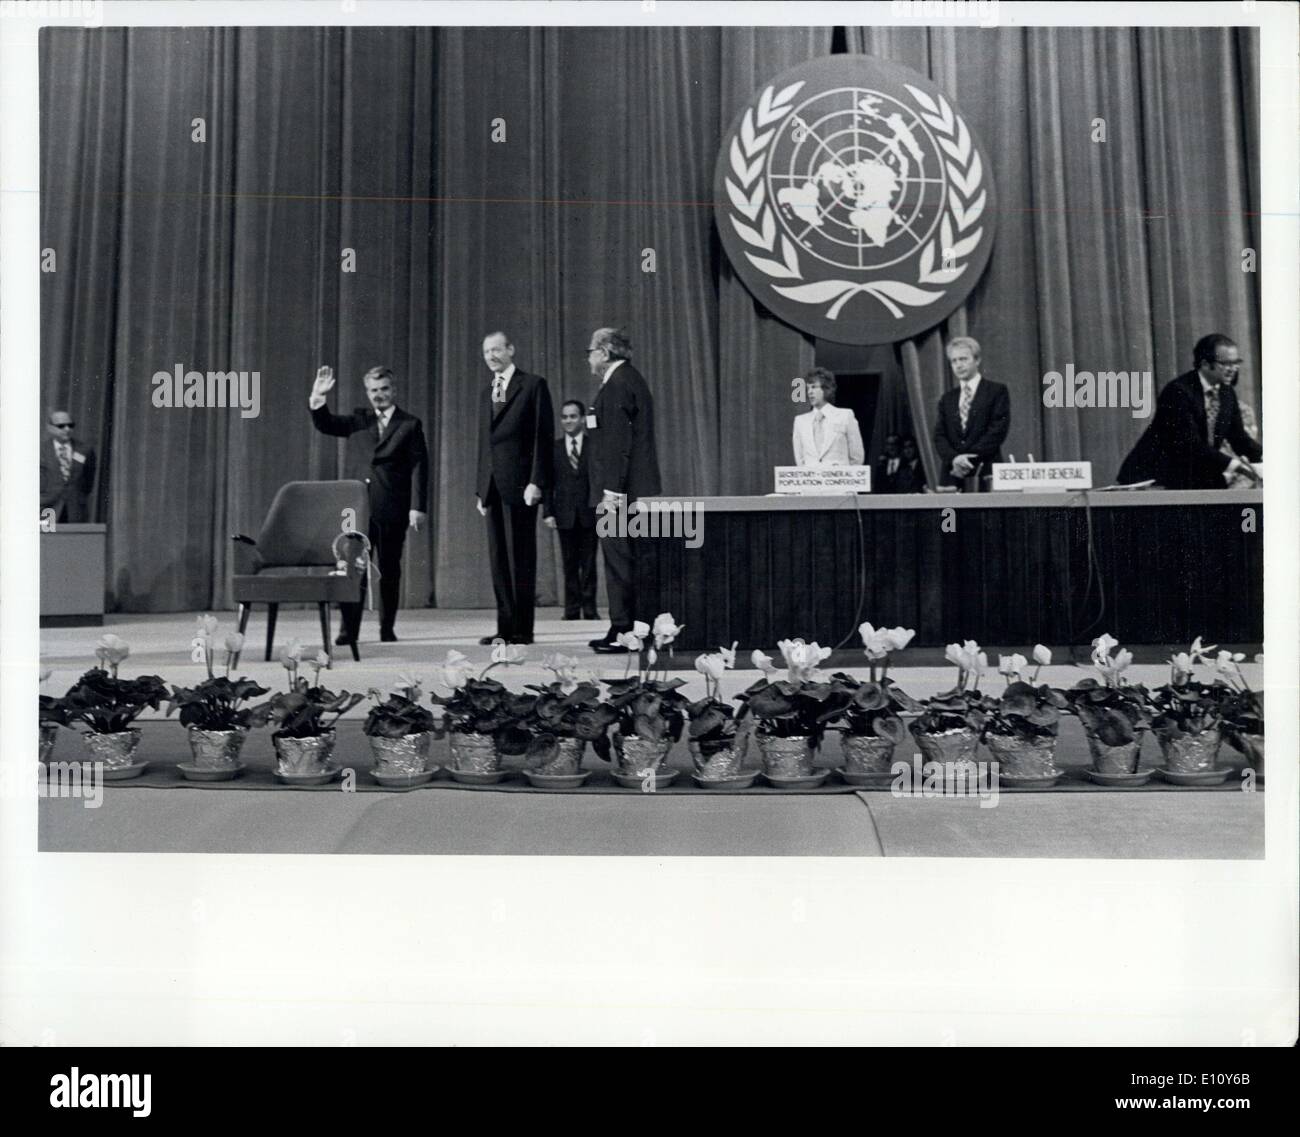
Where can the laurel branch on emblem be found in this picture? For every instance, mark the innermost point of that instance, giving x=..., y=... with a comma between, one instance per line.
x=965, y=205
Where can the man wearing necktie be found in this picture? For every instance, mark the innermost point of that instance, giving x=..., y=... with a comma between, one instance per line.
x=973, y=419
x=386, y=449
x=67, y=471
x=516, y=429
x=1195, y=415
x=568, y=511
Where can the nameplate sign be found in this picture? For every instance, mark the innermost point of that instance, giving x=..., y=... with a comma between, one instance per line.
x=1036, y=477
x=823, y=479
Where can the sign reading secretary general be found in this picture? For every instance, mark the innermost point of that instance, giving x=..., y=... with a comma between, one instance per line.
x=854, y=201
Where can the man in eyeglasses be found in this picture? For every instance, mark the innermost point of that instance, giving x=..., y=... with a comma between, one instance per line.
x=67, y=470
x=1195, y=414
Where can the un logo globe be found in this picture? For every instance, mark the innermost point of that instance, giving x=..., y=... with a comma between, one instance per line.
x=854, y=200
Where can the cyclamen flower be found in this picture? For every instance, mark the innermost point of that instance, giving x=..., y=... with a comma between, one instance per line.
x=455, y=670
x=802, y=659
x=207, y=625
x=1042, y=655
x=1010, y=665
x=234, y=643
x=729, y=653
x=635, y=639
x=503, y=652
x=111, y=649
x=762, y=662
x=711, y=666
x=666, y=629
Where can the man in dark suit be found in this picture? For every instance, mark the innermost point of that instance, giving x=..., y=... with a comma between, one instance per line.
x=386, y=449
x=1195, y=414
x=568, y=511
x=973, y=419
x=888, y=464
x=67, y=471
x=623, y=466
x=516, y=425
x=910, y=477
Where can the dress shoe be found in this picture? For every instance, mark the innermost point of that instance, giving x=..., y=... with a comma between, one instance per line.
x=487, y=641
x=387, y=636
x=520, y=640
x=603, y=641
x=345, y=638
x=572, y=616
x=601, y=648
x=592, y=615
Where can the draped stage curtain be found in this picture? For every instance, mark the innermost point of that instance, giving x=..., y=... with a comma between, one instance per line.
x=227, y=253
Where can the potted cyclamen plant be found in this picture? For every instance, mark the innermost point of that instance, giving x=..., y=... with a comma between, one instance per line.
x=1243, y=711
x=949, y=729
x=303, y=739
x=400, y=733
x=1115, y=717
x=868, y=713
x=713, y=736
x=482, y=719
x=1021, y=728
x=109, y=705
x=649, y=709
x=565, y=716
x=1187, y=721
x=213, y=711
x=52, y=714
x=788, y=713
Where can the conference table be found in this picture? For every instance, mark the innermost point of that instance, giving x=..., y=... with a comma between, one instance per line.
x=1005, y=569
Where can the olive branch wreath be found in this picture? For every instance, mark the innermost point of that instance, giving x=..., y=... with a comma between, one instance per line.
x=966, y=201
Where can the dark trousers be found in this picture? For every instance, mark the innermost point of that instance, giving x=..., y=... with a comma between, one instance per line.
x=578, y=554
x=620, y=581
x=512, y=549
x=387, y=541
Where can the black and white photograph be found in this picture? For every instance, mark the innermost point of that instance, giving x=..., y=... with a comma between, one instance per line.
x=541, y=455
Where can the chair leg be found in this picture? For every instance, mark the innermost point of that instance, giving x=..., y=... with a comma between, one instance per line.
x=245, y=610
x=324, y=609
x=356, y=653
x=272, y=610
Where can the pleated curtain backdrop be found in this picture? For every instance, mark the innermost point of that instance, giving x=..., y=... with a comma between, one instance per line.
x=528, y=180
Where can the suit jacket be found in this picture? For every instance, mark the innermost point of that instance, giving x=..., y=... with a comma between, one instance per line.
x=570, y=492
x=515, y=439
x=623, y=458
x=394, y=468
x=75, y=492
x=1174, y=450
x=881, y=480
x=986, y=426
x=841, y=439
x=909, y=479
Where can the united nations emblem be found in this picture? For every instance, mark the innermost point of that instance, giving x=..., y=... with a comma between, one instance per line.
x=854, y=201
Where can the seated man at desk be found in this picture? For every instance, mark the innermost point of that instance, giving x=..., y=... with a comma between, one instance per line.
x=827, y=435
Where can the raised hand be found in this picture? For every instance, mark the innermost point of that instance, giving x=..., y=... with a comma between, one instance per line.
x=324, y=382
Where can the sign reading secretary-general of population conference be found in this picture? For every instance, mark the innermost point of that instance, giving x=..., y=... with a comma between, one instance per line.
x=854, y=200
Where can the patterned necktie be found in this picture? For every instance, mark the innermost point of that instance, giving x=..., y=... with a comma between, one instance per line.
x=498, y=390
x=963, y=406
x=379, y=425
x=1211, y=413
x=817, y=430
x=65, y=460
x=573, y=453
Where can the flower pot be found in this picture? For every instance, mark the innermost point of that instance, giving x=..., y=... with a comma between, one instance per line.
x=1111, y=760
x=216, y=749
x=406, y=755
x=723, y=763
x=1252, y=746
x=304, y=755
x=787, y=757
x=1191, y=753
x=868, y=754
x=566, y=760
x=49, y=735
x=638, y=754
x=955, y=746
x=1023, y=757
x=114, y=750
x=474, y=753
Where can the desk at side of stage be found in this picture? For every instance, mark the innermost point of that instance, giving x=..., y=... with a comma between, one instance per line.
x=1005, y=569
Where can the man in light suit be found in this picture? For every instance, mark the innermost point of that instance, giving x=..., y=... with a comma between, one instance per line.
x=516, y=425
x=1195, y=414
x=623, y=466
x=568, y=511
x=386, y=450
x=67, y=471
x=973, y=418
x=827, y=435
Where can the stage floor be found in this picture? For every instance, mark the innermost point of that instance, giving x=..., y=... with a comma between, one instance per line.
x=1166, y=825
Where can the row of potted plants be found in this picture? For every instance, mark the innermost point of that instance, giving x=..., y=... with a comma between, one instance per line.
x=634, y=724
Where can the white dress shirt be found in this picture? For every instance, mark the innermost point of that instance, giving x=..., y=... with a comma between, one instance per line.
x=611, y=369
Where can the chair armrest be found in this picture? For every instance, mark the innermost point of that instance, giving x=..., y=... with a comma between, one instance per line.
x=246, y=557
